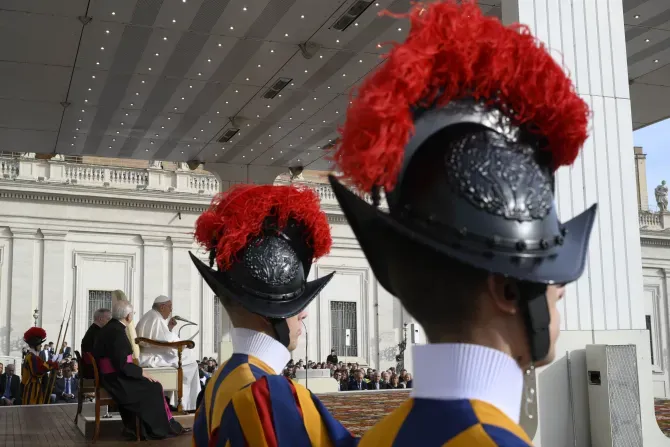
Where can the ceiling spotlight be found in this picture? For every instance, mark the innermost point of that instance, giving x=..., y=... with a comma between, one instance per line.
x=280, y=127
x=106, y=31
x=102, y=48
x=286, y=35
x=360, y=61
x=164, y=38
x=337, y=41
x=356, y=24
x=220, y=45
x=247, y=79
x=244, y=8
x=131, y=104
x=82, y=111
x=182, y=152
x=232, y=28
x=236, y=91
x=151, y=142
x=646, y=40
x=137, y=93
x=199, y=74
x=182, y=98
x=126, y=114
x=71, y=144
x=113, y=139
x=175, y=108
x=113, y=13
x=344, y=74
x=142, y=82
x=399, y=29
x=305, y=71
x=76, y=128
x=314, y=98
x=162, y=127
x=636, y=16
x=268, y=106
x=79, y=120
x=259, y=65
x=272, y=51
x=149, y=68
x=302, y=17
x=174, y=21
x=272, y=158
x=86, y=100
x=169, y=118
x=376, y=4
x=209, y=60
x=122, y=123
x=656, y=61
x=157, y=54
x=97, y=63
x=320, y=56
x=226, y=103
x=329, y=86
x=302, y=109
x=202, y=130
x=93, y=76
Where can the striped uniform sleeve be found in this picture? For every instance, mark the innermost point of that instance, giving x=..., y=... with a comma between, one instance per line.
x=275, y=412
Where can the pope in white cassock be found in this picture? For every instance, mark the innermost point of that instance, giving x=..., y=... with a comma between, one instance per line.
x=156, y=324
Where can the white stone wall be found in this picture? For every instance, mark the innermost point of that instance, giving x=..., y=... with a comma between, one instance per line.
x=57, y=242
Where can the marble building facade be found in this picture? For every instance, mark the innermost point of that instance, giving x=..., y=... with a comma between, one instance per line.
x=75, y=231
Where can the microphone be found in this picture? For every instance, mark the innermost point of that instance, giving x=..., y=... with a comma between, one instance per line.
x=178, y=318
x=306, y=350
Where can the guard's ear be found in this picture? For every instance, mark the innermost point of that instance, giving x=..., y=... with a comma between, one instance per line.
x=504, y=294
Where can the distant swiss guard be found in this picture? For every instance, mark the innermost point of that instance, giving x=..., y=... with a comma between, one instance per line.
x=262, y=241
x=462, y=128
x=35, y=371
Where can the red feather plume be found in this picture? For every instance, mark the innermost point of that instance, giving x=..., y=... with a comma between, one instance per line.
x=452, y=52
x=35, y=332
x=237, y=215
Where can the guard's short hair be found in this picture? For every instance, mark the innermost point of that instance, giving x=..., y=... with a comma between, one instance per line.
x=440, y=293
x=121, y=309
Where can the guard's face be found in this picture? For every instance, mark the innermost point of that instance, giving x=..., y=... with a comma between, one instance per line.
x=295, y=329
x=554, y=295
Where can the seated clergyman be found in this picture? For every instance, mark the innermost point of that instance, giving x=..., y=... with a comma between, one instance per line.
x=134, y=391
x=157, y=325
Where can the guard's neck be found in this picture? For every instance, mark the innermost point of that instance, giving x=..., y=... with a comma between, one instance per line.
x=262, y=346
x=453, y=371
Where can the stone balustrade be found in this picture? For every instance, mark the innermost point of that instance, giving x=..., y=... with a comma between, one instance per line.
x=129, y=179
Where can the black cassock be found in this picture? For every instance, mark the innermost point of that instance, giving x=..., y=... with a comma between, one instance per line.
x=134, y=394
x=87, y=344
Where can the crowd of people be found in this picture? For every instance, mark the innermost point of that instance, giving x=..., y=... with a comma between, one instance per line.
x=351, y=377
x=65, y=387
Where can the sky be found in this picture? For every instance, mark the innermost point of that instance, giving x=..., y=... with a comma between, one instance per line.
x=655, y=142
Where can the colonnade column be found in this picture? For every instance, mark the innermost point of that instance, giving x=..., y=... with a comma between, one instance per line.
x=587, y=37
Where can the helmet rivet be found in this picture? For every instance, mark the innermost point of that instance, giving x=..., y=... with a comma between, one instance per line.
x=559, y=240
x=521, y=245
x=544, y=244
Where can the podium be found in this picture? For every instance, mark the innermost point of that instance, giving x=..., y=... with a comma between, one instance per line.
x=316, y=380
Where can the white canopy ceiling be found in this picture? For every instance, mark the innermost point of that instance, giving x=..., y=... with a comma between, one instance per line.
x=167, y=79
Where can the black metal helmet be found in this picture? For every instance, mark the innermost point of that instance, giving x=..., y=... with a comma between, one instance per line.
x=463, y=127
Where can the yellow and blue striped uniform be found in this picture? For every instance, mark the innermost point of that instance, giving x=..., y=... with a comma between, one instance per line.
x=247, y=404
x=446, y=423
x=33, y=378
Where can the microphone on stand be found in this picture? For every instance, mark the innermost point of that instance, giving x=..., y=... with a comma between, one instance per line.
x=178, y=318
x=306, y=351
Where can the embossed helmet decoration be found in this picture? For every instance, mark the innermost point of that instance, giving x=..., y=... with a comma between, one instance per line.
x=262, y=239
x=462, y=128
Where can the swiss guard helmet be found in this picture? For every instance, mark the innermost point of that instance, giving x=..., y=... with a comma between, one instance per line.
x=462, y=128
x=262, y=239
x=35, y=336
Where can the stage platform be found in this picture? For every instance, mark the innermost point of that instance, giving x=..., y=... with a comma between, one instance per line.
x=50, y=425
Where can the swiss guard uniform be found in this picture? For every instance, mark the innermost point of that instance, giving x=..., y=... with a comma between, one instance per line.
x=262, y=240
x=34, y=370
x=462, y=128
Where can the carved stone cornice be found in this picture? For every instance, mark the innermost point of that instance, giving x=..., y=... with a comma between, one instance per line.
x=654, y=242
x=139, y=200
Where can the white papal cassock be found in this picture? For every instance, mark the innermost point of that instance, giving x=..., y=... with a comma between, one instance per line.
x=152, y=325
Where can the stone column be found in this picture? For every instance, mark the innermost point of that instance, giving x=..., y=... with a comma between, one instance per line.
x=183, y=293
x=641, y=178
x=53, y=284
x=22, y=290
x=154, y=272
x=587, y=37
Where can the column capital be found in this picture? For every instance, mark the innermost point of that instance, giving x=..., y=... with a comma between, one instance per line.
x=54, y=235
x=182, y=242
x=154, y=241
x=23, y=233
